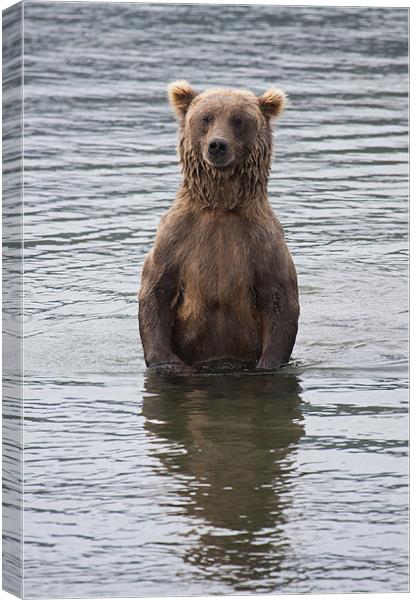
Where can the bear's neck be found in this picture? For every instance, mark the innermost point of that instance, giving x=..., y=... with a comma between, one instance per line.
x=232, y=189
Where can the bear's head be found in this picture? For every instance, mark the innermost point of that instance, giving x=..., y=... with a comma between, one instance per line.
x=225, y=133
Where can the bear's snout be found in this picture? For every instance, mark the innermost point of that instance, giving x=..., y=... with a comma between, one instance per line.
x=218, y=147
x=219, y=152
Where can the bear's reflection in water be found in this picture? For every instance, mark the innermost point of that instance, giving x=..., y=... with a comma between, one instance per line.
x=232, y=439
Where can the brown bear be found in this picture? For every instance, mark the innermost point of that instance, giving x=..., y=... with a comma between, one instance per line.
x=219, y=287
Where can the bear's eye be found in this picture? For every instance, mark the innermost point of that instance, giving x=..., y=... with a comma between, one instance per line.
x=237, y=122
x=206, y=119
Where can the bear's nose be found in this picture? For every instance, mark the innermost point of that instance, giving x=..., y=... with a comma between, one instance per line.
x=218, y=147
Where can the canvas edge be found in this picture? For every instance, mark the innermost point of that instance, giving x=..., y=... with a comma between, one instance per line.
x=12, y=297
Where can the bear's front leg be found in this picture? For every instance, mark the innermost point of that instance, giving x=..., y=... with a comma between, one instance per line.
x=156, y=317
x=155, y=322
x=279, y=316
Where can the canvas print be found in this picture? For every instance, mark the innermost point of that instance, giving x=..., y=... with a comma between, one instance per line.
x=205, y=311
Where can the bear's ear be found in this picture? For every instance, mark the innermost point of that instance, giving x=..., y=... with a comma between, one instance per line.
x=272, y=103
x=181, y=95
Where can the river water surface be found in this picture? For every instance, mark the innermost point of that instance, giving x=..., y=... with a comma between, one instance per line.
x=146, y=485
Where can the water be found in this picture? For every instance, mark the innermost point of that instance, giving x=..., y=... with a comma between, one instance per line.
x=144, y=485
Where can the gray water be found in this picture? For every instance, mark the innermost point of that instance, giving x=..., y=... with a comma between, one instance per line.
x=146, y=485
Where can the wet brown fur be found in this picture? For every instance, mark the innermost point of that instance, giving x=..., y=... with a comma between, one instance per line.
x=219, y=286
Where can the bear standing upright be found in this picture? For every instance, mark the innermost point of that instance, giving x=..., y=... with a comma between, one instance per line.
x=219, y=287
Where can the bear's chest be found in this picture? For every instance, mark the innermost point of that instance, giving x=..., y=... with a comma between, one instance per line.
x=218, y=268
